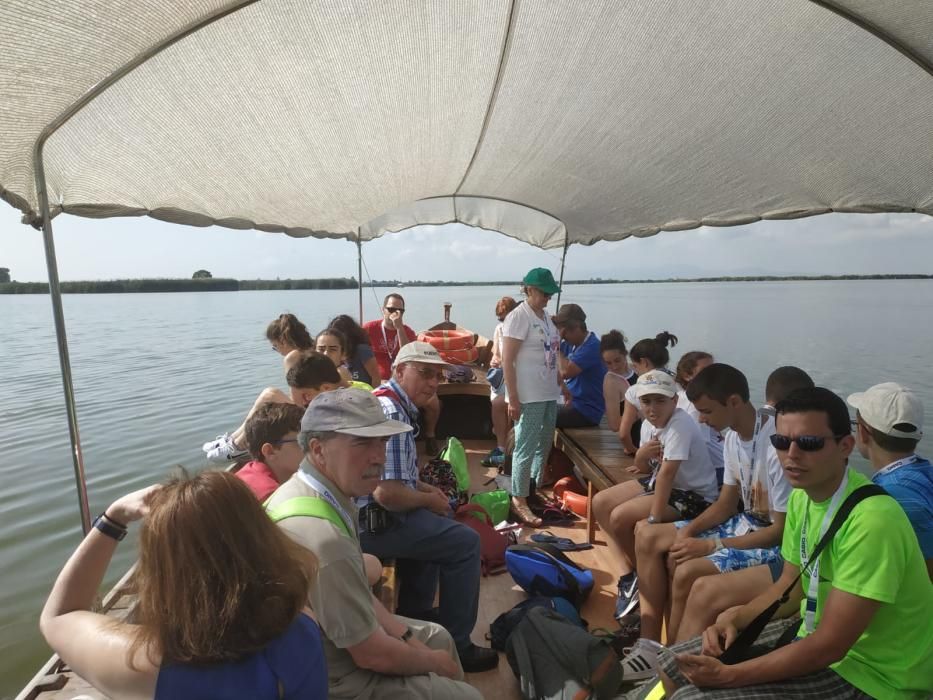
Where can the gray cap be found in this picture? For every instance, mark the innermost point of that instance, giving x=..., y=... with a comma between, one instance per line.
x=351, y=412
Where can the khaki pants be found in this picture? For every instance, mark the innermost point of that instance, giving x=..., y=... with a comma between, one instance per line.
x=367, y=685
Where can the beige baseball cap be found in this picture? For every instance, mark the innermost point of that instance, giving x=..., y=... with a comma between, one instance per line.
x=656, y=382
x=416, y=351
x=351, y=412
x=890, y=408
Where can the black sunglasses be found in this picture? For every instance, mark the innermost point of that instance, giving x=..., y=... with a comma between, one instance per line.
x=392, y=310
x=807, y=443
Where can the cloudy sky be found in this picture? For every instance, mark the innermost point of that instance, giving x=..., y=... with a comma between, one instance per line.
x=143, y=247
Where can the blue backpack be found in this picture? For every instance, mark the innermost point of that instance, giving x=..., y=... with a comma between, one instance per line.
x=542, y=569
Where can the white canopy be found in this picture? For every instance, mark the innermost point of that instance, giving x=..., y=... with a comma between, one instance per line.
x=547, y=120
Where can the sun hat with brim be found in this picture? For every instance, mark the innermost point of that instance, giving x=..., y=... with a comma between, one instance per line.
x=655, y=382
x=350, y=412
x=541, y=278
x=891, y=409
x=416, y=351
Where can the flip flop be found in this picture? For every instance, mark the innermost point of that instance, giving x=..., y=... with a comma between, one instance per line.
x=565, y=544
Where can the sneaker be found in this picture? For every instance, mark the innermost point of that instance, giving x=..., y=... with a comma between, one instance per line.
x=495, y=458
x=628, y=595
x=223, y=449
x=431, y=447
x=476, y=659
x=641, y=662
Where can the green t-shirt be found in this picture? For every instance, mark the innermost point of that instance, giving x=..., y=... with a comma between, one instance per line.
x=874, y=555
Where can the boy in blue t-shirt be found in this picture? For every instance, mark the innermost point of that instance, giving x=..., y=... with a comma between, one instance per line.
x=888, y=425
x=581, y=370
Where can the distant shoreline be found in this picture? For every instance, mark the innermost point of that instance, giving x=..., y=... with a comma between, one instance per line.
x=143, y=286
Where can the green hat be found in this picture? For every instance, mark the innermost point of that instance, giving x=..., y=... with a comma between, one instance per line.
x=541, y=278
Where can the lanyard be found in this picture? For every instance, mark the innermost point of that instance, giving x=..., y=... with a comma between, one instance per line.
x=657, y=467
x=385, y=341
x=894, y=466
x=814, y=585
x=325, y=493
x=746, y=480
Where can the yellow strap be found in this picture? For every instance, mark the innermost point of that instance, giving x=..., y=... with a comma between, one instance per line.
x=657, y=692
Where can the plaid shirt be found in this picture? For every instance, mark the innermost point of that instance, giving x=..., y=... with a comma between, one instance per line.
x=401, y=453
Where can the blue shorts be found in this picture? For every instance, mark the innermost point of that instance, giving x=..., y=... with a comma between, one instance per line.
x=729, y=559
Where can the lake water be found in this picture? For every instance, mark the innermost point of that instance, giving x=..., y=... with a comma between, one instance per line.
x=158, y=374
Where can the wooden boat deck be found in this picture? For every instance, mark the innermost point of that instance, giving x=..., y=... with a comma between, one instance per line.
x=497, y=594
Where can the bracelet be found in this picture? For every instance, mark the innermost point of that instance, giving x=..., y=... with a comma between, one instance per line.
x=114, y=521
x=103, y=524
x=408, y=634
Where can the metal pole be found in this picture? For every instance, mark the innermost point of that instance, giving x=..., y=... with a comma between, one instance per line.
x=58, y=314
x=563, y=259
x=359, y=271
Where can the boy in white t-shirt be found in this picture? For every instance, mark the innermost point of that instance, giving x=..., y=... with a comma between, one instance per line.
x=721, y=538
x=680, y=481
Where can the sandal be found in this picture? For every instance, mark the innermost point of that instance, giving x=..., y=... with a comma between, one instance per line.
x=565, y=544
x=524, y=514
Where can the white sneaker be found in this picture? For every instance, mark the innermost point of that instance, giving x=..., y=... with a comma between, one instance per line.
x=223, y=449
x=641, y=661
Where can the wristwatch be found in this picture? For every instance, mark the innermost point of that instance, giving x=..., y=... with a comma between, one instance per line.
x=107, y=526
x=408, y=634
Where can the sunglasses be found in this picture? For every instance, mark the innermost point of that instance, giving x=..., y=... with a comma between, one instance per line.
x=393, y=310
x=807, y=443
x=428, y=373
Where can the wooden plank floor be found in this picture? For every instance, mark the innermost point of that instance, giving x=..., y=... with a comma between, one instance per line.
x=500, y=593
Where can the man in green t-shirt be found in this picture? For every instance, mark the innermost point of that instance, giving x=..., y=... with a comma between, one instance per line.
x=865, y=631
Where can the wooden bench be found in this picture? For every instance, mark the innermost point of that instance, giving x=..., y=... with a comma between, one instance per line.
x=597, y=454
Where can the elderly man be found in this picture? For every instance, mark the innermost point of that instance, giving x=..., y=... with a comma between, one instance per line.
x=408, y=520
x=370, y=652
x=387, y=338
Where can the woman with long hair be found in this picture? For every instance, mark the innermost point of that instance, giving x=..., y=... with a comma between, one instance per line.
x=645, y=355
x=221, y=595
x=289, y=337
x=360, y=358
x=619, y=377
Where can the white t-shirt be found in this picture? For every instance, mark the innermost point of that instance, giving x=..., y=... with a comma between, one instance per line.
x=632, y=398
x=714, y=439
x=682, y=440
x=769, y=489
x=536, y=362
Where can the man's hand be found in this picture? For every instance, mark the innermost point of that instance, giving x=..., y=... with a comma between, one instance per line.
x=515, y=410
x=133, y=506
x=688, y=548
x=395, y=318
x=565, y=392
x=437, y=500
x=718, y=637
x=706, y=672
x=446, y=666
x=650, y=450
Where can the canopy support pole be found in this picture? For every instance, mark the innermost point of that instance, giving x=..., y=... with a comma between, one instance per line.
x=359, y=271
x=77, y=456
x=563, y=259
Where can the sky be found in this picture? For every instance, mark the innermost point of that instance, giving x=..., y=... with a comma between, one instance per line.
x=92, y=249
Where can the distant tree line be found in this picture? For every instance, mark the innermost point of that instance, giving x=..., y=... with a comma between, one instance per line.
x=200, y=284
x=600, y=280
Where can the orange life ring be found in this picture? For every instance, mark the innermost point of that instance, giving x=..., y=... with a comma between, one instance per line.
x=566, y=485
x=448, y=340
x=460, y=357
x=576, y=502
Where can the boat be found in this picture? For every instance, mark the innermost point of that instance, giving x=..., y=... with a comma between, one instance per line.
x=571, y=123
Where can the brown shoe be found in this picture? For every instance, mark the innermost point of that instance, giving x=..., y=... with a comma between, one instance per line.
x=523, y=513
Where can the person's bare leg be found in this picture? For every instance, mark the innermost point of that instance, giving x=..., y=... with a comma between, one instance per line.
x=711, y=595
x=500, y=420
x=685, y=575
x=268, y=395
x=623, y=520
x=652, y=543
x=604, y=502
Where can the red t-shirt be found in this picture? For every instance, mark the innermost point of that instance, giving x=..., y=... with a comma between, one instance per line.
x=259, y=478
x=385, y=345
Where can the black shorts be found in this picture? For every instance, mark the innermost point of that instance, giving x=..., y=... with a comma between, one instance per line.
x=688, y=503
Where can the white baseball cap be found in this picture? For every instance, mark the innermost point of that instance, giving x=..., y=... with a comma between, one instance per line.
x=656, y=382
x=891, y=409
x=416, y=351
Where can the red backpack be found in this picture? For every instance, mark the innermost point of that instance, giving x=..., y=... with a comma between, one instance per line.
x=492, y=544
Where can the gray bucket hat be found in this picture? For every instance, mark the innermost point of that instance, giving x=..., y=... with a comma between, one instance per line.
x=350, y=412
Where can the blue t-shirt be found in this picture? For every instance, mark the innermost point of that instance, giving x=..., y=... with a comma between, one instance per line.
x=912, y=487
x=587, y=387
x=295, y=659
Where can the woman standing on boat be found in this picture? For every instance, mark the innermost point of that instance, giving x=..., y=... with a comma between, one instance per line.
x=530, y=345
x=220, y=598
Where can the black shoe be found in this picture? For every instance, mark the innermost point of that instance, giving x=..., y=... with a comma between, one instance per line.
x=431, y=448
x=476, y=659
